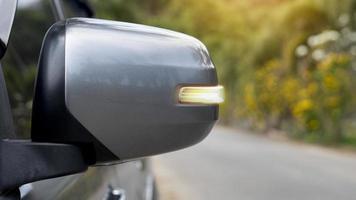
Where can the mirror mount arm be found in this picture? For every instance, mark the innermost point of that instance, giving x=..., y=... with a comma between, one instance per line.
x=2, y=49
x=24, y=162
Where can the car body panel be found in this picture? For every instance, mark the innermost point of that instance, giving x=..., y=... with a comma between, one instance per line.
x=96, y=183
x=32, y=20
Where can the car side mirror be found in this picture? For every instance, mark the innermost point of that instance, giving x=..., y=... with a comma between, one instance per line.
x=122, y=91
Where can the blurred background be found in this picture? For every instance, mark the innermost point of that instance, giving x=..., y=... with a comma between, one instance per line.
x=287, y=129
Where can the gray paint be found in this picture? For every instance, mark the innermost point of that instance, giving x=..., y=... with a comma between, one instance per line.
x=7, y=10
x=120, y=83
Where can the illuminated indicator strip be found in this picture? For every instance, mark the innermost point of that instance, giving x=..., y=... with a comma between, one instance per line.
x=201, y=94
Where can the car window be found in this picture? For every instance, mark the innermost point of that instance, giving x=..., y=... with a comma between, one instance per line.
x=33, y=18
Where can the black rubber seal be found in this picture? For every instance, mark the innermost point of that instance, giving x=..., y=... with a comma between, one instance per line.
x=2, y=49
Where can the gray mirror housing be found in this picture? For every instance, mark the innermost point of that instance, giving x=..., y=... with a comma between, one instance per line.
x=112, y=89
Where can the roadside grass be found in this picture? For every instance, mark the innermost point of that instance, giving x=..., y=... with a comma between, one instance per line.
x=347, y=141
x=289, y=133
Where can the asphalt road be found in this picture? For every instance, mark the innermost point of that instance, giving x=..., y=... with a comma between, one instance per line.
x=230, y=164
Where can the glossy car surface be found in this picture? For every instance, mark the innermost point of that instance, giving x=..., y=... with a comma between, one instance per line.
x=132, y=180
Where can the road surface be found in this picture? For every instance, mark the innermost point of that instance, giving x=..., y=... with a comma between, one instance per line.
x=233, y=165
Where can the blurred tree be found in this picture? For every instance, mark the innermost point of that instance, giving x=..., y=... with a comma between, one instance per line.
x=280, y=61
x=30, y=25
x=285, y=64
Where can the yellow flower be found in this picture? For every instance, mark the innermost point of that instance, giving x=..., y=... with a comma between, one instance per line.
x=271, y=82
x=331, y=83
x=302, y=106
x=250, y=97
x=288, y=89
x=312, y=88
x=334, y=60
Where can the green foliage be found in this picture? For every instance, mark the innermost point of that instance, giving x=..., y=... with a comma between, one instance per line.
x=20, y=84
x=284, y=64
x=20, y=60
